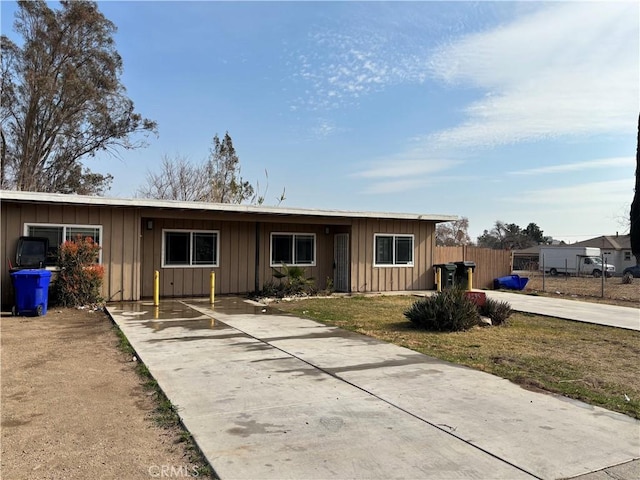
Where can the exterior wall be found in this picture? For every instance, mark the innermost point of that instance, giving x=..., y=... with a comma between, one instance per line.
x=616, y=258
x=367, y=278
x=131, y=252
x=235, y=272
x=120, y=241
x=323, y=268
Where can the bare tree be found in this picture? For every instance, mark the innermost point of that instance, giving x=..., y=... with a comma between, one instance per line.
x=62, y=99
x=453, y=234
x=215, y=180
x=178, y=179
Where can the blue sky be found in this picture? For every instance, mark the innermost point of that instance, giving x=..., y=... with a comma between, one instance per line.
x=514, y=111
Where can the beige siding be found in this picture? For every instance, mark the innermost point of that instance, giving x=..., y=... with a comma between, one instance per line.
x=131, y=252
x=324, y=251
x=120, y=230
x=234, y=273
x=367, y=278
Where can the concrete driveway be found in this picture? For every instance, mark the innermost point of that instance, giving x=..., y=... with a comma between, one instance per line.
x=276, y=396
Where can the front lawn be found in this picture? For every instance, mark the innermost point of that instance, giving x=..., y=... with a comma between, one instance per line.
x=592, y=363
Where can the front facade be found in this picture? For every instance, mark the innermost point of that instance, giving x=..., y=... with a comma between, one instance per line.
x=186, y=241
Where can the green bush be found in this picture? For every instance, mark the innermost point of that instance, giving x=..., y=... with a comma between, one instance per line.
x=498, y=311
x=80, y=278
x=446, y=311
x=292, y=282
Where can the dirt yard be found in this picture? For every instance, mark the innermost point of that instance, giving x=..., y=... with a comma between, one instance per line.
x=585, y=288
x=73, y=406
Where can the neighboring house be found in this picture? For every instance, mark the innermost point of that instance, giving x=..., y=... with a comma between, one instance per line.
x=616, y=249
x=185, y=241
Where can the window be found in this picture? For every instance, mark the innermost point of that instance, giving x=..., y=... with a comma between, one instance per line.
x=627, y=255
x=56, y=234
x=186, y=248
x=293, y=249
x=393, y=250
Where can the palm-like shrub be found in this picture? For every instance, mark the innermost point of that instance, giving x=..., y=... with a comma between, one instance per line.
x=446, y=311
x=498, y=311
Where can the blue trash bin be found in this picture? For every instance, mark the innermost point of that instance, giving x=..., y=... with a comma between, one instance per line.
x=31, y=288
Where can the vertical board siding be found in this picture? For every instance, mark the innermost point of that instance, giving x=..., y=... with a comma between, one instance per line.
x=234, y=273
x=324, y=251
x=367, y=278
x=119, y=231
x=131, y=253
x=490, y=264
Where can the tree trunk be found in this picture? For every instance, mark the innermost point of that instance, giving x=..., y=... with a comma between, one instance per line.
x=635, y=206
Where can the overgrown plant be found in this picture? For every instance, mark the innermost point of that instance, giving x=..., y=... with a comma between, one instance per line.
x=295, y=282
x=80, y=278
x=498, y=311
x=446, y=311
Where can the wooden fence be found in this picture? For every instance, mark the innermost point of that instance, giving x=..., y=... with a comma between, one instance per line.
x=490, y=263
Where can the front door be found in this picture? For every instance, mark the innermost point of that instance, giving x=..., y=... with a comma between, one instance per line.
x=341, y=262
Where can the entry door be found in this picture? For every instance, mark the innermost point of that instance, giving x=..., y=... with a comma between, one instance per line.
x=341, y=260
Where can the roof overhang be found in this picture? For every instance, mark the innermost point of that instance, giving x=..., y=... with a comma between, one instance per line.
x=85, y=200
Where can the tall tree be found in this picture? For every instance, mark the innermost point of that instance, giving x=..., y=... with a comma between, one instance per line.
x=62, y=99
x=223, y=171
x=635, y=206
x=453, y=234
x=511, y=236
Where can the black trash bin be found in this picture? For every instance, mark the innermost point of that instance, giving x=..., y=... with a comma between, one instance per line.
x=447, y=273
x=461, y=275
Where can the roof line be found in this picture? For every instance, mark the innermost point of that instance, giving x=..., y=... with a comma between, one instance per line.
x=61, y=198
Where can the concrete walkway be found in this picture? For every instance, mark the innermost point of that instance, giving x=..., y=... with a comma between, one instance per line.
x=600, y=313
x=275, y=396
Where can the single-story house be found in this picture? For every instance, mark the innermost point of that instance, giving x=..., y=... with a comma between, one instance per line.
x=615, y=248
x=185, y=241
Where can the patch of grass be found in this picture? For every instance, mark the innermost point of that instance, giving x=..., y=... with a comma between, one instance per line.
x=165, y=413
x=592, y=363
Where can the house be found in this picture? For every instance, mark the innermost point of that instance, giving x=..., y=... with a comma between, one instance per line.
x=185, y=241
x=615, y=248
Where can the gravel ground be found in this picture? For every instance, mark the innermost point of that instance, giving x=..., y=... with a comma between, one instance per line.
x=73, y=406
x=586, y=288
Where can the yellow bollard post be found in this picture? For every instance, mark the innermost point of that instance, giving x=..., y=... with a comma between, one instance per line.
x=439, y=278
x=156, y=288
x=469, y=279
x=212, y=292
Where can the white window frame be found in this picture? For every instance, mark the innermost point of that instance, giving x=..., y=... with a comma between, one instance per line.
x=627, y=255
x=394, y=236
x=64, y=227
x=293, y=245
x=216, y=264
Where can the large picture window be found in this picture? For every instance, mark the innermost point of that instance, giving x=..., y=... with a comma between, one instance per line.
x=56, y=234
x=293, y=249
x=187, y=248
x=393, y=250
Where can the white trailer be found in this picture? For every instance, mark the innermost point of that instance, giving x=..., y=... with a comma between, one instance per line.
x=573, y=261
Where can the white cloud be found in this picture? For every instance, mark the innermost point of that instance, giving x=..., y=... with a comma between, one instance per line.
x=579, y=166
x=569, y=69
x=407, y=168
x=610, y=193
